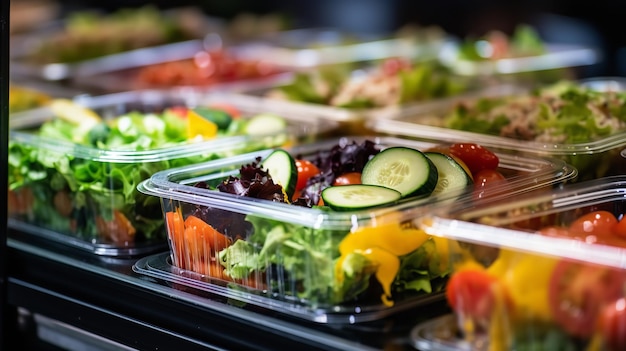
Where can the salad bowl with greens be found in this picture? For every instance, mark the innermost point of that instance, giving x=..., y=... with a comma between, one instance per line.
x=322, y=231
x=74, y=165
x=581, y=122
x=519, y=56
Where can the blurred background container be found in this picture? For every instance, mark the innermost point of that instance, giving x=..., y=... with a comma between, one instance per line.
x=556, y=20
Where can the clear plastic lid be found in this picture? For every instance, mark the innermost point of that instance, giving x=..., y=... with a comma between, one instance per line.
x=301, y=125
x=313, y=47
x=525, y=174
x=490, y=223
x=556, y=56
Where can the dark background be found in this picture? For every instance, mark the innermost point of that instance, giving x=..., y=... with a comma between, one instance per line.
x=597, y=22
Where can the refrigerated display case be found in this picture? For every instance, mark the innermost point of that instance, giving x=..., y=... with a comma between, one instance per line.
x=72, y=299
x=77, y=300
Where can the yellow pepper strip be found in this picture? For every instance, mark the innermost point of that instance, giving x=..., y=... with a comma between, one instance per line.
x=388, y=265
x=381, y=244
x=527, y=278
x=200, y=126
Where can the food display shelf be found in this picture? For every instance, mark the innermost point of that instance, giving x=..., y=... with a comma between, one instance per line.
x=103, y=296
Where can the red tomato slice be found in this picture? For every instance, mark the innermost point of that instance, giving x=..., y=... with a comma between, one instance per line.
x=475, y=156
x=612, y=325
x=472, y=293
x=348, y=178
x=578, y=292
x=306, y=170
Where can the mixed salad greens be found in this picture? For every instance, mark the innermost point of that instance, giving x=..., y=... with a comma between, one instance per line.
x=327, y=265
x=76, y=174
x=88, y=34
x=524, y=41
x=392, y=81
x=563, y=113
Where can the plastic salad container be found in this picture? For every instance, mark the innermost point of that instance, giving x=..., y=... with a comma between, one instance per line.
x=75, y=164
x=582, y=123
x=522, y=57
x=352, y=94
x=543, y=271
x=306, y=48
x=234, y=233
x=211, y=65
x=86, y=42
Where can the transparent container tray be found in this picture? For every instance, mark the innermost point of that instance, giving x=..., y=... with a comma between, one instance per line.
x=26, y=61
x=84, y=195
x=542, y=270
x=308, y=48
x=357, y=83
x=595, y=155
x=441, y=334
x=294, y=259
x=559, y=61
x=159, y=266
x=208, y=64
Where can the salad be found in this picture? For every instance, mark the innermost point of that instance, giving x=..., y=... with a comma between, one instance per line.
x=520, y=57
x=336, y=262
x=517, y=300
x=563, y=113
x=88, y=34
x=495, y=45
x=391, y=82
x=76, y=173
x=206, y=68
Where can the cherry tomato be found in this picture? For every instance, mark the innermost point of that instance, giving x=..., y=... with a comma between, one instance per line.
x=594, y=226
x=487, y=179
x=612, y=325
x=577, y=293
x=348, y=178
x=472, y=293
x=306, y=170
x=475, y=156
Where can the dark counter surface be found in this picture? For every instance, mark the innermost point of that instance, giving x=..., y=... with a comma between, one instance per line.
x=103, y=296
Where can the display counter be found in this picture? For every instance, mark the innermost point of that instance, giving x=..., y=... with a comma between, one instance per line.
x=86, y=293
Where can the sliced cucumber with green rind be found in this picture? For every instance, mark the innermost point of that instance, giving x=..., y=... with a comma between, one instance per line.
x=453, y=179
x=358, y=196
x=401, y=168
x=281, y=166
x=265, y=124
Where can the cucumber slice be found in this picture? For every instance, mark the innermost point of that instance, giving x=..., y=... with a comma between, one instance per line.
x=265, y=124
x=282, y=168
x=406, y=170
x=453, y=179
x=358, y=196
